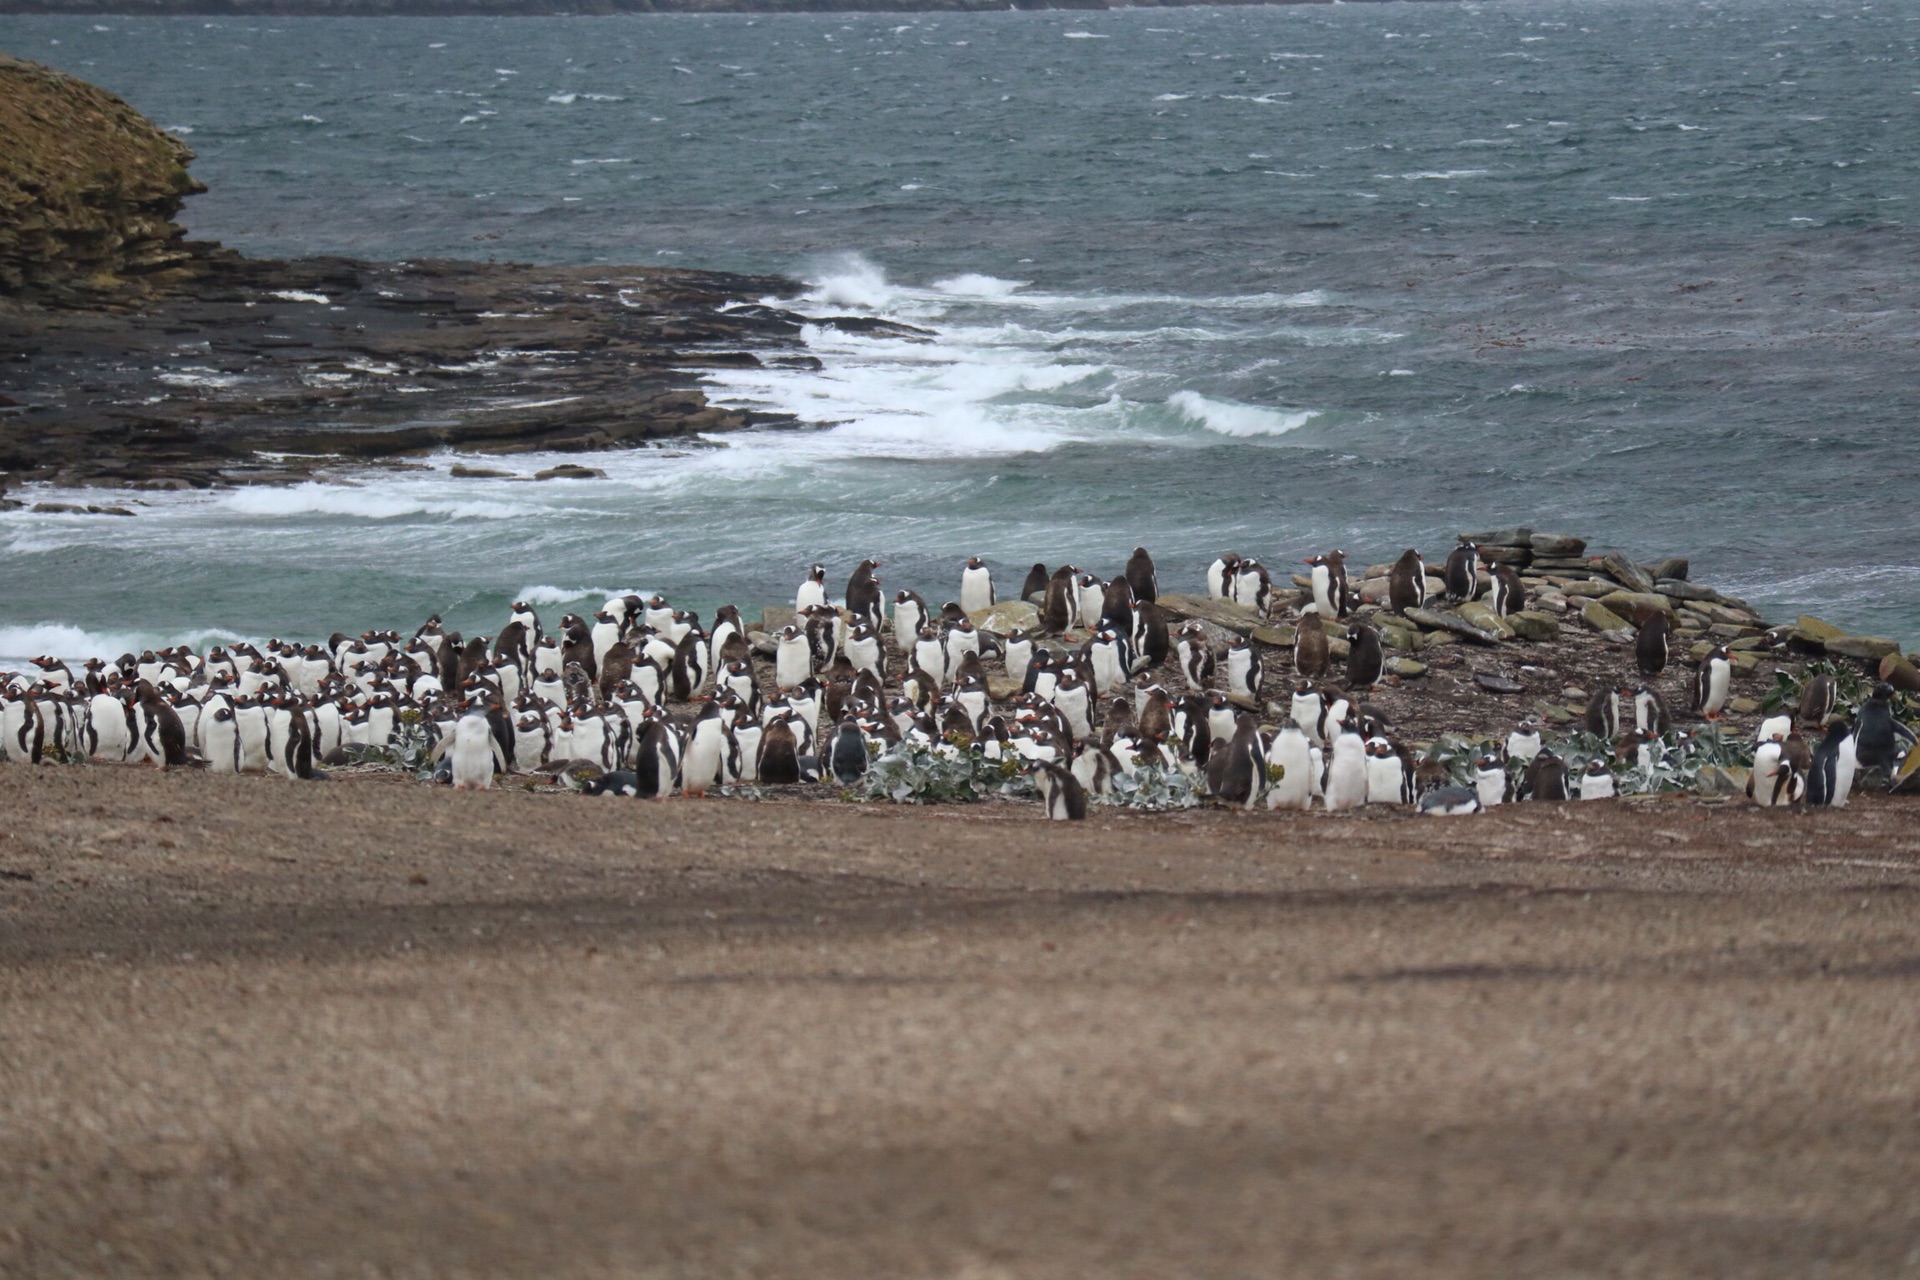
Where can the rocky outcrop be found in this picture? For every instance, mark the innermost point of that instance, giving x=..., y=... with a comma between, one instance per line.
x=88, y=191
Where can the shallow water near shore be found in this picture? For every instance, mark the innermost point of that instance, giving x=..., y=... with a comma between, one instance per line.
x=1270, y=279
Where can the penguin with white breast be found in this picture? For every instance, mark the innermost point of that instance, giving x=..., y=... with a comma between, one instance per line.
x=1035, y=584
x=1346, y=784
x=1196, y=655
x=473, y=750
x=658, y=613
x=1306, y=709
x=1491, y=781
x=1880, y=741
x=1245, y=670
x=709, y=744
x=792, y=659
x=605, y=633
x=863, y=648
x=1061, y=607
x=1061, y=794
x=1523, y=741
x=909, y=615
x=1407, y=582
x=1091, y=598
x=1650, y=713
x=1602, y=718
x=547, y=657
x=1366, y=660
x=1291, y=750
x=1220, y=575
x=656, y=759
x=1075, y=701
x=1713, y=683
x=1112, y=658
x=726, y=626
x=803, y=704
x=158, y=734
x=1509, y=593
x=1773, y=729
x=1237, y=766
x=1462, y=572
x=1817, y=700
x=1830, y=779
x=1117, y=605
x=1016, y=651
x=970, y=695
x=1769, y=779
x=1253, y=586
x=1449, y=802
x=1222, y=716
x=863, y=594
x=1389, y=780
x=532, y=738
x=1546, y=777
x=1328, y=577
x=110, y=719
x=1596, y=782
x=1149, y=637
x=1096, y=768
x=688, y=674
x=962, y=639
x=976, y=586
x=813, y=589
x=1653, y=645
x=929, y=655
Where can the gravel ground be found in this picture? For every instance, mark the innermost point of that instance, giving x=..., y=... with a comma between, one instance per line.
x=371, y=1028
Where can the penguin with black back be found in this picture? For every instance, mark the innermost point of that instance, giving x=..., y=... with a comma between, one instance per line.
x=1407, y=582
x=1062, y=604
x=1652, y=646
x=863, y=594
x=1462, y=572
x=1366, y=660
x=1311, y=655
x=848, y=752
x=1035, y=585
x=1817, y=700
x=1140, y=576
x=1546, y=777
x=1879, y=739
x=1065, y=799
x=1835, y=760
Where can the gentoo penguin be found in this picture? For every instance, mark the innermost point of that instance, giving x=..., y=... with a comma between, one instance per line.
x=111, y=721
x=962, y=639
x=1062, y=605
x=792, y=658
x=1141, y=577
x=813, y=589
x=1065, y=799
x=1112, y=660
x=1389, y=781
x=1523, y=742
x=709, y=746
x=1462, y=572
x=1603, y=713
x=1307, y=708
x=1253, y=586
x=475, y=753
x=1095, y=767
x=1075, y=701
x=1509, y=594
x=1366, y=661
x=1346, y=785
x=1150, y=640
x=1596, y=782
x=1222, y=717
x=1713, y=683
x=976, y=586
x=863, y=594
x=1220, y=575
x=909, y=615
x=513, y=645
x=1652, y=646
x=158, y=734
x=1196, y=655
x=1294, y=754
x=1650, y=714
x=1329, y=579
x=1450, y=802
x=929, y=656
x=1310, y=652
x=1880, y=740
x=1117, y=606
x=1016, y=650
x=621, y=782
x=1770, y=781
x=779, y=763
x=688, y=674
x=605, y=634
x=1546, y=777
x=847, y=753
x=970, y=695
x=1035, y=585
x=1091, y=594
x=1237, y=767
x=1830, y=779
x=656, y=759
x=1407, y=582
x=1244, y=669
x=1773, y=728
x=1491, y=781
x=1817, y=700
x=863, y=648
x=727, y=625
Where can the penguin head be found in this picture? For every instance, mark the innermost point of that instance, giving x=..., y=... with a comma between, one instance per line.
x=1596, y=767
x=973, y=562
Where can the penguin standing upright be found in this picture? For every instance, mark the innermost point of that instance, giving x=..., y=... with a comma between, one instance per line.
x=1220, y=575
x=1062, y=605
x=1292, y=751
x=1091, y=593
x=1523, y=742
x=779, y=763
x=1366, y=660
x=1879, y=739
x=1331, y=593
x=863, y=594
x=1346, y=785
x=1546, y=777
x=976, y=586
x=1244, y=669
x=1596, y=782
x=1196, y=655
x=847, y=753
x=1652, y=646
x=1713, y=683
x=1306, y=710
x=1141, y=577
x=1150, y=639
x=1065, y=799
x=909, y=615
x=474, y=750
x=1237, y=767
x=792, y=658
x=1253, y=586
x=1509, y=594
x=1035, y=584
x=1650, y=714
x=1310, y=652
x=863, y=648
x=1817, y=700
x=1603, y=713
x=1407, y=582
x=813, y=589
x=1389, y=780
x=1830, y=779
x=1491, y=781
x=1016, y=651
x=1462, y=572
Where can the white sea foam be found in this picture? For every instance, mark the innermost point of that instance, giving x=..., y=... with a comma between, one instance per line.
x=76, y=644
x=974, y=285
x=1242, y=420
x=389, y=502
x=1445, y=175
x=541, y=596
x=300, y=295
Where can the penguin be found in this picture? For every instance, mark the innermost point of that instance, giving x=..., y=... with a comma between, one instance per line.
x=1062, y=604
x=726, y=626
x=158, y=734
x=970, y=695
x=1222, y=716
x=547, y=657
x=909, y=615
x=656, y=759
x=1074, y=699
x=792, y=659
x=961, y=640
x=779, y=763
x=1462, y=572
x=1817, y=700
x=1773, y=728
x=709, y=744
x=1311, y=655
x=605, y=634
x=111, y=721
x=621, y=782
x=1366, y=661
x=473, y=751
x=929, y=656
x=1150, y=639
x=1603, y=713
x=1509, y=594
x=1450, y=802
x=1713, y=683
x=976, y=586
x=1016, y=650
x=1546, y=777
x=1650, y=714
x=1095, y=768
x=1244, y=669
x=1141, y=577
x=1830, y=779
x=1117, y=605
x=1407, y=582
x=1237, y=767
x=1196, y=655
x=1253, y=586
x=1118, y=721
x=1523, y=742
x=1220, y=575
x=1346, y=784
x=289, y=738
x=863, y=594
x=1307, y=709
x=1328, y=579
x=1796, y=759
x=1065, y=799
x=513, y=645
x=1112, y=658
x=1389, y=781
x=848, y=753
x=824, y=629
x=1596, y=782
x=1035, y=585
x=1153, y=712
x=1291, y=750
x=813, y=589
x=1879, y=739
x=1491, y=781
x=659, y=614
x=1652, y=647
x=1769, y=779
x=688, y=674
x=1091, y=595
x=863, y=648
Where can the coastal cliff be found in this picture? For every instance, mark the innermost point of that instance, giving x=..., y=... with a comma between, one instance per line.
x=89, y=189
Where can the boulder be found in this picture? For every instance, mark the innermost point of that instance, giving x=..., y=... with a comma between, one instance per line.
x=1557, y=545
x=1604, y=620
x=461, y=471
x=1813, y=631
x=1405, y=668
x=1499, y=553
x=1637, y=606
x=1452, y=623
x=1549, y=602
x=1533, y=624
x=1003, y=688
x=1742, y=706
x=762, y=643
x=570, y=471
x=1280, y=637
x=1900, y=673
x=1680, y=589
x=1625, y=572
x=1221, y=613
x=1484, y=618
x=775, y=616
x=1006, y=616
x=1493, y=683
x=1672, y=568
x=1872, y=648
x=1517, y=537
x=1588, y=588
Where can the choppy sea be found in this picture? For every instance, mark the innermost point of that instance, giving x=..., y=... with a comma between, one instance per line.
x=1270, y=279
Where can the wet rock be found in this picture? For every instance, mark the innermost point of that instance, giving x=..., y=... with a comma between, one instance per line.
x=1493, y=683
x=1556, y=546
x=1605, y=620
x=1815, y=631
x=1485, y=619
x=1221, y=613
x=1003, y=688
x=1673, y=568
x=461, y=471
x=1550, y=602
x=1515, y=537
x=1625, y=572
x=775, y=616
x=1587, y=588
x=1498, y=553
x=1533, y=624
x=1007, y=616
x=1637, y=606
x=1554, y=714
x=1453, y=624
x=570, y=471
x=1872, y=648
x=1280, y=637
x=762, y=643
x=1680, y=589
x=1742, y=706
x=1900, y=673
x=1405, y=668
x=1406, y=639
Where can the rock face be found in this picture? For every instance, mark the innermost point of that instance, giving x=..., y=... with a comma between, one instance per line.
x=88, y=190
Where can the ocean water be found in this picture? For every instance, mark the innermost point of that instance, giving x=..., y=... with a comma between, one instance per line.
x=1269, y=279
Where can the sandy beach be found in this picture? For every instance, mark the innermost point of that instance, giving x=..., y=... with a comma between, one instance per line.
x=370, y=1027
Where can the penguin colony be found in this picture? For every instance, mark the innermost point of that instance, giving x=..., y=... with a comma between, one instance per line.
x=846, y=681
